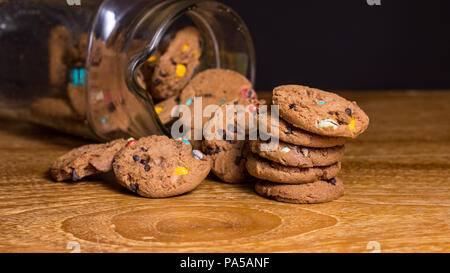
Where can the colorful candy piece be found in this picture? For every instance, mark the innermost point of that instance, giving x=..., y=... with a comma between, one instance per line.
x=223, y=101
x=75, y=176
x=77, y=76
x=158, y=110
x=197, y=154
x=252, y=108
x=185, y=48
x=352, y=124
x=131, y=141
x=305, y=152
x=97, y=96
x=328, y=123
x=103, y=120
x=184, y=140
x=152, y=59
x=189, y=102
x=181, y=70
x=248, y=93
x=285, y=149
x=181, y=171
x=82, y=73
x=321, y=103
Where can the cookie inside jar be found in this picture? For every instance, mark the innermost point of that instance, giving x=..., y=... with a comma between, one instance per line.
x=195, y=41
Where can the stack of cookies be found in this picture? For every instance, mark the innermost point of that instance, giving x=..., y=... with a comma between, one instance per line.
x=313, y=128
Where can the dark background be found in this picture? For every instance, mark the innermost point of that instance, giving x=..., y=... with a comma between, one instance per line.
x=348, y=44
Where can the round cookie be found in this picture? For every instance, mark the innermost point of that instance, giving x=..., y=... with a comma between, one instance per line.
x=228, y=162
x=158, y=167
x=296, y=136
x=274, y=172
x=297, y=156
x=85, y=161
x=227, y=155
x=215, y=87
x=311, y=193
x=320, y=112
x=177, y=65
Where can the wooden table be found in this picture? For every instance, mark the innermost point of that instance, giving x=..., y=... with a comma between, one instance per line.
x=397, y=196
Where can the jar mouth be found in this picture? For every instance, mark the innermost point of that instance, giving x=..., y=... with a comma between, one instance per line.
x=217, y=23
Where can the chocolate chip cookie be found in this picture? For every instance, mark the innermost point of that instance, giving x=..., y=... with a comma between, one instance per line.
x=158, y=167
x=320, y=112
x=297, y=156
x=177, y=65
x=215, y=87
x=85, y=161
x=311, y=193
x=228, y=162
x=266, y=170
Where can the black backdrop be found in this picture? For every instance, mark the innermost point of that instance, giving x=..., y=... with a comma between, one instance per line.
x=348, y=44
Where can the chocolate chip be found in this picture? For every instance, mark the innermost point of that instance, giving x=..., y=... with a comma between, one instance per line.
x=349, y=111
x=292, y=106
x=210, y=151
x=173, y=61
x=332, y=181
x=162, y=74
x=134, y=187
x=144, y=149
x=236, y=102
x=158, y=81
x=75, y=176
x=289, y=131
x=111, y=107
x=207, y=95
x=147, y=168
x=144, y=162
x=136, y=158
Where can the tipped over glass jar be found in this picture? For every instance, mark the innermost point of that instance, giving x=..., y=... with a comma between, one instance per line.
x=88, y=68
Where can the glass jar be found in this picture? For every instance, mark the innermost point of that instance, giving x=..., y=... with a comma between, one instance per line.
x=84, y=67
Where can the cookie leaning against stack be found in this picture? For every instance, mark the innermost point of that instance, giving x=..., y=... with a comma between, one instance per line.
x=313, y=129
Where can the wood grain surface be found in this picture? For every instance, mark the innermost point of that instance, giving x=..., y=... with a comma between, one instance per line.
x=397, y=179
